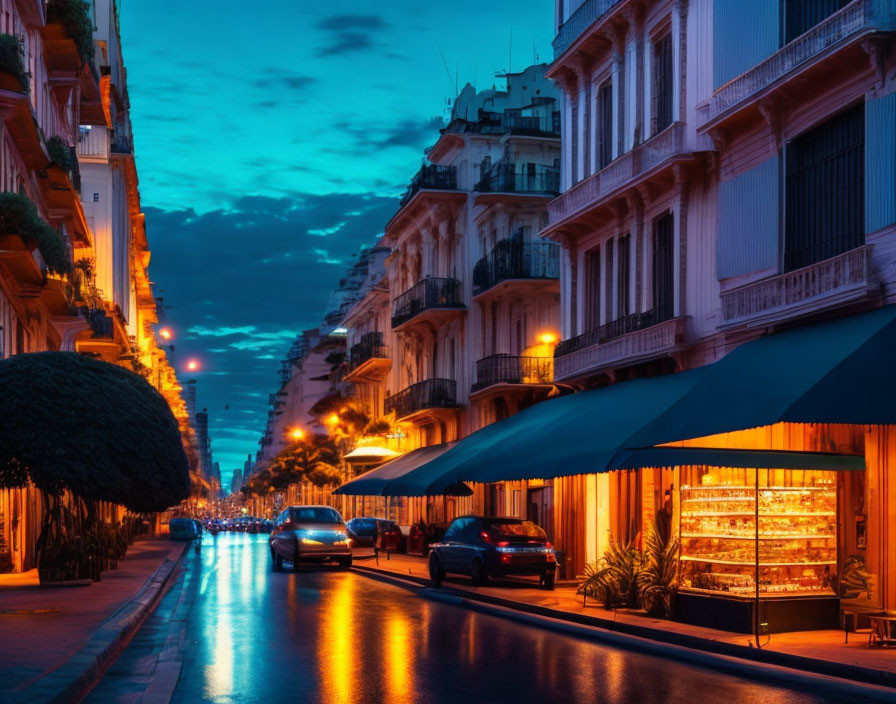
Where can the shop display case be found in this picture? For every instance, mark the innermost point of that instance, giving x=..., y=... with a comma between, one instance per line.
x=782, y=533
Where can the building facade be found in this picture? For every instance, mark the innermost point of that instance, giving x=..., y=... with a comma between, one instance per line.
x=66, y=151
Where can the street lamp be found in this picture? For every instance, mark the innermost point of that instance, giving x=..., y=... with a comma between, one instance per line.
x=332, y=419
x=166, y=333
x=192, y=365
x=297, y=434
x=547, y=338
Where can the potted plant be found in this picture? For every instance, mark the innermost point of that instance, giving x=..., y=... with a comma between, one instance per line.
x=13, y=76
x=74, y=17
x=19, y=218
x=614, y=579
x=658, y=581
x=60, y=153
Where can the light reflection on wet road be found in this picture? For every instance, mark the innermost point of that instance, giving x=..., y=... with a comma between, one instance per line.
x=245, y=634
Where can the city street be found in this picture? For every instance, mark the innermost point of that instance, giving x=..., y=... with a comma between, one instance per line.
x=230, y=630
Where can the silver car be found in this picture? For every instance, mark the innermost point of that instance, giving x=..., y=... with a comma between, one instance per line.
x=310, y=534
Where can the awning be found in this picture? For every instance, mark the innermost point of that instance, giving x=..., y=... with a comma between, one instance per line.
x=577, y=434
x=840, y=371
x=374, y=482
x=726, y=457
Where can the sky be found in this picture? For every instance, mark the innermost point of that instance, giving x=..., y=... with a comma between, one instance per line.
x=273, y=140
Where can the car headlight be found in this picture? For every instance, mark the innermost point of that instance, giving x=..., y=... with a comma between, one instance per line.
x=311, y=541
x=343, y=541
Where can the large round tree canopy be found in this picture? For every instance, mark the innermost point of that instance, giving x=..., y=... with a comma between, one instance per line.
x=96, y=429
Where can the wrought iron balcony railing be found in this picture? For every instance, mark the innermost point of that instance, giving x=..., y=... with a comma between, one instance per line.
x=516, y=260
x=616, y=328
x=588, y=13
x=433, y=176
x=369, y=347
x=432, y=393
x=100, y=323
x=510, y=369
x=508, y=178
x=426, y=294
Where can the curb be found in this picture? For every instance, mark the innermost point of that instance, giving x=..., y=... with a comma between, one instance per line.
x=72, y=680
x=808, y=674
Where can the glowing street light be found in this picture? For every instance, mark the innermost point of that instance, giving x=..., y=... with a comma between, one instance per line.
x=547, y=338
x=166, y=333
x=297, y=434
x=332, y=419
x=192, y=365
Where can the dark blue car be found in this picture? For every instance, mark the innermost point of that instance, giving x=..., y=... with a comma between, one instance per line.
x=484, y=547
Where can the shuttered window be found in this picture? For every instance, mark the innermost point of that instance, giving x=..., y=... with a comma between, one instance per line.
x=623, y=274
x=825, y=191
x=592, y=289
x=662, y=83
x=663, y=267
x=802, y=15
x=605, y=124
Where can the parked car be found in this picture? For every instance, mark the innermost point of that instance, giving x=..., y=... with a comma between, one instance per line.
x=309, y=534
x=375, y=532
x=484, y=548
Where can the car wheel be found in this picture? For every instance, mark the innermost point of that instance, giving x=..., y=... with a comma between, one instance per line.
x=276, y=561
x=436, y=571
x=477, y=571
x=549, y=579
x=345, y=562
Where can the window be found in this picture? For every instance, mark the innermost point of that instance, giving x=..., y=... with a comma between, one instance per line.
x=605, y=125
x=609, y=271
x=663, y=267
x=623, y=259
x=662, y=83
x=592, y=289
x=825, y=190
x=802, y=15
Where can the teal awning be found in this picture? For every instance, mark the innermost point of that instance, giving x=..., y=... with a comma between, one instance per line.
x=840, y=371
x=577, y=434
x=725, y=457
x=374, y=482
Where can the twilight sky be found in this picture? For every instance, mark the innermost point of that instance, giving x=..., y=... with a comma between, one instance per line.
x=272, y=140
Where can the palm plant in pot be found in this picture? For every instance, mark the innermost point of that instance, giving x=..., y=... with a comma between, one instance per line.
x=614, y=578
x=658, y=580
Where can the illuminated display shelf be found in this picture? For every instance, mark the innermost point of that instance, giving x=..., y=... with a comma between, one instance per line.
x=752, y=563
x=767, y=536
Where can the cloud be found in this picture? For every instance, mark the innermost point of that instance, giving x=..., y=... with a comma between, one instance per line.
x=347, y=34
x=243, y=281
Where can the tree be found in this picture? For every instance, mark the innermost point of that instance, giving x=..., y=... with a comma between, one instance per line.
x=68, y=422
x=313, y=460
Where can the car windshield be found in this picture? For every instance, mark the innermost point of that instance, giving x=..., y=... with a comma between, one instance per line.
x=363, y=526
x=315, y=514
x=515, y=529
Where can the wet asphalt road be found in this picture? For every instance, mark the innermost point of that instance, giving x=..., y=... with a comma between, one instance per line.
x=230, y=630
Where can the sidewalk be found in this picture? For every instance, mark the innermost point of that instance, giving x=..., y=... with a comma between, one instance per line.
x=822, y=652
x=50, y=635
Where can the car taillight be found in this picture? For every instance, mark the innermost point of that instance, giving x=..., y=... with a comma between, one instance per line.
x=503, y=544
x=548, y=545
x=485, y=536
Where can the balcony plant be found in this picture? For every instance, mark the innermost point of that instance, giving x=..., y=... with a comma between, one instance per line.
x=60, y=153
x=74, y=15
x=13, y=75
x=19, y=216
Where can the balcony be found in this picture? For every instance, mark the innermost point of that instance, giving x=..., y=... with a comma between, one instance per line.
x=430, y=300
x=531, y=125
x=369, y=359
x=636, y=338
x=93, y=143
x=841, y=29
x=842, y=280
x=625, y=171
x=514, y=264
x=122, y=145
x=536, y=180
x=424, y=400
x=500, y=370
x=431, y=178
x=588, y=13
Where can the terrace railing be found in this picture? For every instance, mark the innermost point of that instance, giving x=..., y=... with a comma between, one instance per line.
x=516, y=260
x=426, y=294
x=510, y=369
x=432, y=393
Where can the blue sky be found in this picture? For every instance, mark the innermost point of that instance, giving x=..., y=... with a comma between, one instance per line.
x=272, y=142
